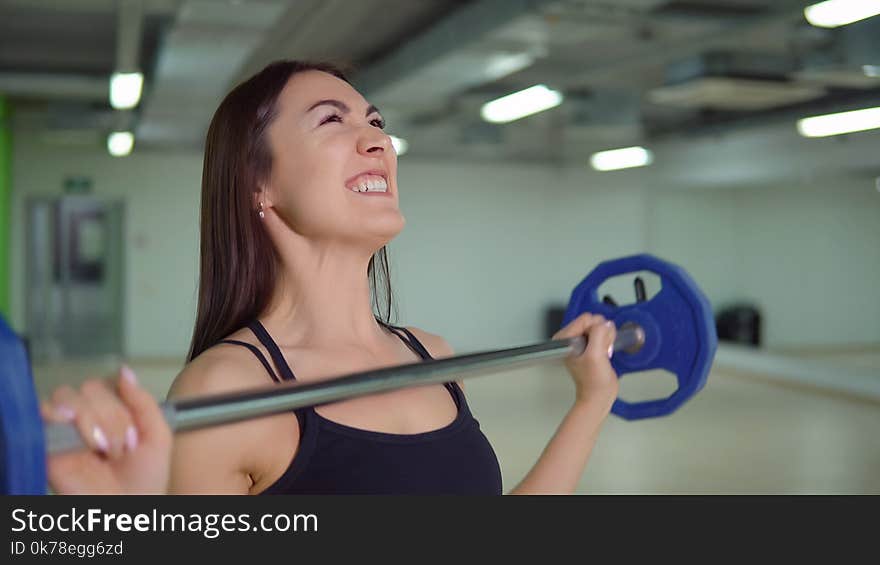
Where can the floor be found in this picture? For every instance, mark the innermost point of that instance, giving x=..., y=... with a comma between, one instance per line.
x=743, y=433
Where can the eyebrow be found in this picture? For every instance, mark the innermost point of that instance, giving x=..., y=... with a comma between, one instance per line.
x=342, y=106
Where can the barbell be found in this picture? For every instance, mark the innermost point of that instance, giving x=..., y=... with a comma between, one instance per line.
x=673, y=331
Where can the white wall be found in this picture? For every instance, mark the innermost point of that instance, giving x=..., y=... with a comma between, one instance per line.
x=487, y=247
x=808, y=255
x=161, y=196
x=697, y=230
x=811, y=258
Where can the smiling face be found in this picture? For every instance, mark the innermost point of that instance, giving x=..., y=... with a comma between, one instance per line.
x=334, y=170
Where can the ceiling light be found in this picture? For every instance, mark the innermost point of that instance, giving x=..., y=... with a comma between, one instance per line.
x=623, y=158
x=120, y=143
x=840, y=123
x=503, y=64
x=521, y=104
x=125, y=90
x=400, y=145
x=835, y=13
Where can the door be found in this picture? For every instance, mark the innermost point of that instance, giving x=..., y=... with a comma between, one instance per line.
x=74, y=277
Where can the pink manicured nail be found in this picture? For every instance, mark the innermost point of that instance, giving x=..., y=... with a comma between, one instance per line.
x=100, y=439
x=128, y=374
x=610, y=351
x=66, y=413
x=131, y=438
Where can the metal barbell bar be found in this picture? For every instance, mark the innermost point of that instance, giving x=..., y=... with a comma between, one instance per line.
x=194, y=413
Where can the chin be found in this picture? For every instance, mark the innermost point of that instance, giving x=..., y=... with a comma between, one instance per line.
x=381, y=230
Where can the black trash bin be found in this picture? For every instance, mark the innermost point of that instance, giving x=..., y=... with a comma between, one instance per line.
x=553, y=317
x=739, y=323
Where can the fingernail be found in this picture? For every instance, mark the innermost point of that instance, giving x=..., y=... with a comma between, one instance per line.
x=100, y=439
x=66, y=413
x=610, y=351
x=131, y=438
x=128, y=374
x=609, y=323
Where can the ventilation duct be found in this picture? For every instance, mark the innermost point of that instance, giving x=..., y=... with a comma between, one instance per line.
x=852, y=62
x=201, y=55
x=732, y=82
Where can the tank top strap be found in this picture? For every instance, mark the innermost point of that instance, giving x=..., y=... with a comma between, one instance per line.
x=410, y=340
x=273, y=349
x=257, y=353
x=419, y=349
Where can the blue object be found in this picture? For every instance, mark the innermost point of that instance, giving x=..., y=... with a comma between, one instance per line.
x=679, y=325
x=22, y=447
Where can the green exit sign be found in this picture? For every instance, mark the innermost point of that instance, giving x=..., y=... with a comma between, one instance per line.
x=77, y=185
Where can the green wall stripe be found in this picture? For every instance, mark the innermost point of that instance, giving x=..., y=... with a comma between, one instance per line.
x=5, y=203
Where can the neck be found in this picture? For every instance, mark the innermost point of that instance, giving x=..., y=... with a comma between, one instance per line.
x=322, y=298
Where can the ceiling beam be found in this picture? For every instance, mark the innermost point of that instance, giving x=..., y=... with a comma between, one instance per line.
x=653, y=53
x=54, y=85
x=452, y=33
x=151, y=7
x=130, y=23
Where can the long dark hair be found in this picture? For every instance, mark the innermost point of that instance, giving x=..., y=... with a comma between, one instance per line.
x=239, y=263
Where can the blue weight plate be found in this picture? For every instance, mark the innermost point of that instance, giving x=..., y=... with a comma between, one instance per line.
x=679, y=330
x=22, y=448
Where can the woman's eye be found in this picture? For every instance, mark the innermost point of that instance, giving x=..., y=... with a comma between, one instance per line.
x=376, y=122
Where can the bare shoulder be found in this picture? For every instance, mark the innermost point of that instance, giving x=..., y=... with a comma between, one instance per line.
x=228, y=458
x=222, y=368
x=436, y=345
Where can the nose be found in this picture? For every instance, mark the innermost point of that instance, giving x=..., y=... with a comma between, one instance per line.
x=373, y=142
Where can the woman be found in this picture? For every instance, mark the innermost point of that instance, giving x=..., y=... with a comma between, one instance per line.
x=299, y=199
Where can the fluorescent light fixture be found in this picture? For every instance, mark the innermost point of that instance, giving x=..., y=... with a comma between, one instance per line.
x=624, y=158
x=125, y=90
x=400, y=144
x=521, y=104
x=503, y=64
x=872, y=71
x=120, y=143
x=840, y=123
x=836, y=13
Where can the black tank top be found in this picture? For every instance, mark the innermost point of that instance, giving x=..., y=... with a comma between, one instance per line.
x=333, y=458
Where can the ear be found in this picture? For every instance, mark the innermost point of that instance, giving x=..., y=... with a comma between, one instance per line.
x=263, y=195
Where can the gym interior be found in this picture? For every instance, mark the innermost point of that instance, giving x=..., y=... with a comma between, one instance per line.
x=736, y=139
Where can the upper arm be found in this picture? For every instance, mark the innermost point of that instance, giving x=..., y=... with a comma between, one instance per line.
x=215, y=459
x=438, y=347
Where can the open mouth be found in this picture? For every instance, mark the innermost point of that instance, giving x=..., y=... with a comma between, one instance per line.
x=368, y=183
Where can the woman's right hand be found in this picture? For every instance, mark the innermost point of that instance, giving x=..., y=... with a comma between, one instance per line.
x=129, y=442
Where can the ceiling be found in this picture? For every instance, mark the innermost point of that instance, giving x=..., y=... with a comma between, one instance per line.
x=632, y=71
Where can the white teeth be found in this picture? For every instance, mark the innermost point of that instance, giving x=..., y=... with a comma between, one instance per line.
x=376, y=184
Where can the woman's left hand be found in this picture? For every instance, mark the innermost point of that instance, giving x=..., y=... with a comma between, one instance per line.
x=594, y=377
